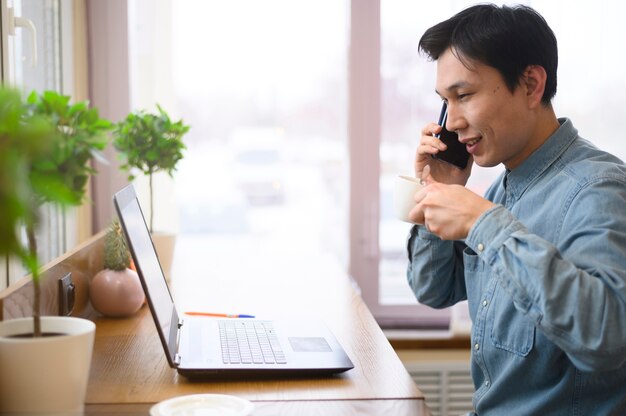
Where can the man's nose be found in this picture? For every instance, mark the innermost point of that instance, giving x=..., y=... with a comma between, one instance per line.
x=455, y=120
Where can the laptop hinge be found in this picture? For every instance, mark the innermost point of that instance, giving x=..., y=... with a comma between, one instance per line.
x=177, y=355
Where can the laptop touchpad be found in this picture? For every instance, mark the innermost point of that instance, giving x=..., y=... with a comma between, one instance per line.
x=309, y=344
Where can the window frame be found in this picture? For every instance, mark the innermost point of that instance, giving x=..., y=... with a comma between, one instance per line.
x=4, y=69
x=364, y=137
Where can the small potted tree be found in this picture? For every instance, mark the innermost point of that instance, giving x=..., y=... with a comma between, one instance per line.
x=47, y=144
x=151, y=143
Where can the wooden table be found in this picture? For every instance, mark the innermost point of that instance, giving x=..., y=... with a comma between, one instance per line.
x=130, y=373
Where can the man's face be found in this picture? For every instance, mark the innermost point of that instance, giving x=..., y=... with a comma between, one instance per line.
x=495, y=124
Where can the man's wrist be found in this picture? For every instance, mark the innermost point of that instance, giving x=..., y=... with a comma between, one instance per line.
x=480, y=212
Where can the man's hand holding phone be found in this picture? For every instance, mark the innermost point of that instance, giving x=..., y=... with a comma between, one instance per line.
x=444, y=205
x=448, y=159
x=456, y=154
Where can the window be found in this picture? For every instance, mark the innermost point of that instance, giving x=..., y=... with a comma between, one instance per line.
x=36, y=60
x=263, y=86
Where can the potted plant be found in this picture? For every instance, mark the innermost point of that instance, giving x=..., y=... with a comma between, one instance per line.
x=152, y=143
x=47, y=144
x=116, y=290
x=60, y=177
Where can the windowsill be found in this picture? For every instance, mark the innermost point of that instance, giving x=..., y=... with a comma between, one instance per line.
x=455, y=337
x=427, y=339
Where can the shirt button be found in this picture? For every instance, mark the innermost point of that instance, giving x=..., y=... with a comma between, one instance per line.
x=480, y=247
x=485, y=303
x=476, y=346
x=487, y=383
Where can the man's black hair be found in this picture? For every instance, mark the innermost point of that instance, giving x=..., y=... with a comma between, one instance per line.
x=508, y=39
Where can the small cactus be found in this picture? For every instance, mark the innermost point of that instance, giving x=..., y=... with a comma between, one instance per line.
x=116, y=256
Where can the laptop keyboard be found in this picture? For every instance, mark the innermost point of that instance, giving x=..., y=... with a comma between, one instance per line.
x=250, y=342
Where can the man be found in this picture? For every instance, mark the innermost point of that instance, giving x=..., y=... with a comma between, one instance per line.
x=542, y=258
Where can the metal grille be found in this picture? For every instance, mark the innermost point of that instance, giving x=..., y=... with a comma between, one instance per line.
x=447, y=386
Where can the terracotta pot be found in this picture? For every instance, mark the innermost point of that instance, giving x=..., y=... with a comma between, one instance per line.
x=116, y=293
x=49, y=374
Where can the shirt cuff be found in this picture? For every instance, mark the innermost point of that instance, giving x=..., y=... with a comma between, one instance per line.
x=490, y=231
x=418, y=232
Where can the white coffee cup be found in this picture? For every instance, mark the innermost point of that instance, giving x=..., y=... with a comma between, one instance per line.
x=405, y=188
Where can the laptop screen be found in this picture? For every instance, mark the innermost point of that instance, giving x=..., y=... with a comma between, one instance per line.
x=148, y=266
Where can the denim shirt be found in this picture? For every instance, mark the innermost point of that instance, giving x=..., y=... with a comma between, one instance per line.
x=544, y=273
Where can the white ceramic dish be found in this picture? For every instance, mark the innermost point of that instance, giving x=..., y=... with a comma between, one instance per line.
x=203, y=405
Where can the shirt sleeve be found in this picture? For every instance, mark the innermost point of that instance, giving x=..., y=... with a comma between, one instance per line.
x=435, y=271
x=574, y=293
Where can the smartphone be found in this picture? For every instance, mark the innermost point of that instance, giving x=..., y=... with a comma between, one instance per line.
x=456, y=153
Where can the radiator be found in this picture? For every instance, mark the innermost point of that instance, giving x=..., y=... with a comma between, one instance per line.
x=447, y=386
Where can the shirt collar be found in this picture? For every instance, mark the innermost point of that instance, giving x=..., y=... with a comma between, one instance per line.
x=541, y=159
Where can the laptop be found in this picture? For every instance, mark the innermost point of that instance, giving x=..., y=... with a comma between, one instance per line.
x=208, y=347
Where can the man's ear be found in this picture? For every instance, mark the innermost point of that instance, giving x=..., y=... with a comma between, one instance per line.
x=534, y=82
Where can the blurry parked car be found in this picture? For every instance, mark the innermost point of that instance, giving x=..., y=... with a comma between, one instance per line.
x=225, y=212
x=258, y=165
x=208, y=199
